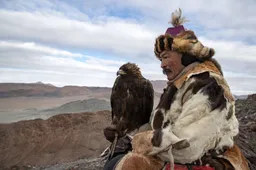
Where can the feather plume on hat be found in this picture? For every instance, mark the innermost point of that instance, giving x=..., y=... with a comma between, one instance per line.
x=177, y=20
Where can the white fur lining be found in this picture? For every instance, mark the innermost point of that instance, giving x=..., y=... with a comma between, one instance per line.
x=204, y=129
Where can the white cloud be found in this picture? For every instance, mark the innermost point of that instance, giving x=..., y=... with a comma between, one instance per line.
x=49, y=59
x=235, y=56
x=46, y=7
x=34, y=48
x=24, y=65
x=94, y=60
x=241, y=85
x=35, y=36
x=105, y=34
x=229, y=18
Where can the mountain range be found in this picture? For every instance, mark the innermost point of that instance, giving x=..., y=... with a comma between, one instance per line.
x=40, y=89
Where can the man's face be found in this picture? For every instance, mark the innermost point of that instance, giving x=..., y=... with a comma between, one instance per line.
x=171, y=64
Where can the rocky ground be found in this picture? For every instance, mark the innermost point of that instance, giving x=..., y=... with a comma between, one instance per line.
x=81, y=164
x=74, y=141
x=57, y=140
x=246, y=113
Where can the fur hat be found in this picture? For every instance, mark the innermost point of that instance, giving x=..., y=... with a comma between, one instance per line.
x=181, y=40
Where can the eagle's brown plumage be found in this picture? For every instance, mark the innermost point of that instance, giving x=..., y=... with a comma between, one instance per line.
x=131, y=99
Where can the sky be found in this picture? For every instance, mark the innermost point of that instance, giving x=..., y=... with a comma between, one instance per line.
x=84, y=42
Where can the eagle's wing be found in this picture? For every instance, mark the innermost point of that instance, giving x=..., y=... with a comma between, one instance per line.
x=118, y=99
x=148, y=101
x=141, y=103
x=112, y=97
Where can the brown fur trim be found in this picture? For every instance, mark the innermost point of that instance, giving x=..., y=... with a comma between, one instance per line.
x=216, y=94
x=187, y=35
x=221, y=81
x=157, y=54
x=139, y=159
x=141, y=142
x=205, y=53
x=200, y=68
x=166, y=44
x=187, y=42
x=236, y=158
x=158, y=43
x=184, y=42
x=134, y=161
x=158, y=49
x=217, y=64
x=207, y=66
x=162, y=43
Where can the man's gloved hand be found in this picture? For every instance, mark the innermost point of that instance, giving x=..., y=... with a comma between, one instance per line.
x=216, y=163
x=109, y=133
x=123, y=144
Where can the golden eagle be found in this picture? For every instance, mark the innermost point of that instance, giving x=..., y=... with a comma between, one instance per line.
x=132, y=99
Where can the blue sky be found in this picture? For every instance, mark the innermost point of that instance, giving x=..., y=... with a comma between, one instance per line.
x=84, y=42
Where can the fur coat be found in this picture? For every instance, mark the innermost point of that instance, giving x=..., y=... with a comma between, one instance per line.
x=198, y=107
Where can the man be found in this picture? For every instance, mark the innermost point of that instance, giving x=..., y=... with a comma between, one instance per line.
x=197, y=104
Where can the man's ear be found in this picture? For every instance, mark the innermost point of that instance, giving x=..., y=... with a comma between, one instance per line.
x=182, y=144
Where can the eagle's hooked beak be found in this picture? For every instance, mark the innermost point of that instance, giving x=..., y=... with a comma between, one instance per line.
x=120, y=72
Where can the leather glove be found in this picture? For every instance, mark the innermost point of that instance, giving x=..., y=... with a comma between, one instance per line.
x=109, y=133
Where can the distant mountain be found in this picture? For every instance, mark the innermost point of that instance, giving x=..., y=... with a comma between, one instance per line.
x=40, y=89
x=39, y=82
x=5, y=87
x=90, y=105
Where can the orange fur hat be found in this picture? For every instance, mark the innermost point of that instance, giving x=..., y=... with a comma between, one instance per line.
x=181, y=40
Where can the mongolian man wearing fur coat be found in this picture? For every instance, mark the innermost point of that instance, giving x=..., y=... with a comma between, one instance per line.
x=196, y=107
x=197, y=104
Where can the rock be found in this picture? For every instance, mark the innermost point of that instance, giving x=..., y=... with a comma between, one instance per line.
x=246, y=140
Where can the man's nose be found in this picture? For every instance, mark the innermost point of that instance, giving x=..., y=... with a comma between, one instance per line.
x=163, y=65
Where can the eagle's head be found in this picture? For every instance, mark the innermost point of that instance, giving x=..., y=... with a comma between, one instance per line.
x=129, y=69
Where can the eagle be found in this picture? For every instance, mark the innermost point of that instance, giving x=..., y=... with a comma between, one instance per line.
x=132, y=99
